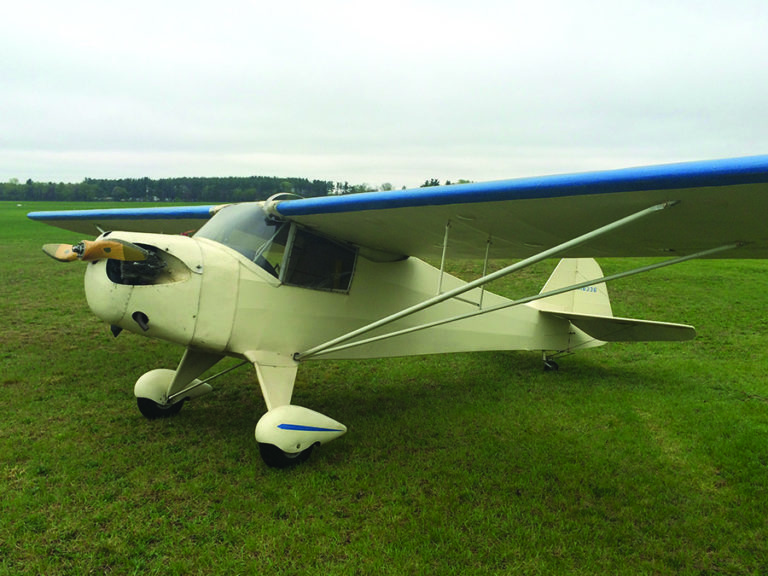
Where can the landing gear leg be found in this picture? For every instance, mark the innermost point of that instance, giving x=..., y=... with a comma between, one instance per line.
x=287, y=434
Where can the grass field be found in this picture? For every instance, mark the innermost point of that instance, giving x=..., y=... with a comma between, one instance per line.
x=632, y=459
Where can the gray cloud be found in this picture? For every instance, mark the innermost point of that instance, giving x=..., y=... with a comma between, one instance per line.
x=397, y=92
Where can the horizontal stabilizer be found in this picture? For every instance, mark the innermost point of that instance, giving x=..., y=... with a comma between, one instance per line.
x=613, y=329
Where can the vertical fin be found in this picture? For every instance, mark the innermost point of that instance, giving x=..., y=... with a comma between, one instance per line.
x=590, y=300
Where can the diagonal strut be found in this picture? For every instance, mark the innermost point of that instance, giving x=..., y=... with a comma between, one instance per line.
x=483, y=280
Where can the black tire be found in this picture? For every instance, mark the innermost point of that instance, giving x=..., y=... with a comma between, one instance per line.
x=550, y=366
x=276, y=458
x=152, y=410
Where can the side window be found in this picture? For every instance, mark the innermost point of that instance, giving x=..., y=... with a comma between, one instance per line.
x=319, y=263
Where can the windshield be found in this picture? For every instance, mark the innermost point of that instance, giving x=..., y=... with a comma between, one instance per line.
x=248, y=229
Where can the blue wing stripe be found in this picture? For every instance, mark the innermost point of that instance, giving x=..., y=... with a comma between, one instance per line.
x=748, y=170
x=162, y=213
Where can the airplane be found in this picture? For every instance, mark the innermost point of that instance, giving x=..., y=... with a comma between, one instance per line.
x=280, y=282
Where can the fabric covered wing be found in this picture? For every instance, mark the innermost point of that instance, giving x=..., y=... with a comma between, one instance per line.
x=163, y=220
x=716, y=203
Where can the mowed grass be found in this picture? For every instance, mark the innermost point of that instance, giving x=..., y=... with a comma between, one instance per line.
x=632, y=459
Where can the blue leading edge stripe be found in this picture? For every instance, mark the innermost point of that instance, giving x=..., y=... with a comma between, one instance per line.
x=733, y=171
x=160, y=213
x=301, y=428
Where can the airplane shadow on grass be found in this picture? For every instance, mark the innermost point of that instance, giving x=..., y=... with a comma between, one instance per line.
x=424, y=400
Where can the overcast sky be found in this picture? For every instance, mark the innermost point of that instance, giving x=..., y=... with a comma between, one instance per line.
x=373, y=92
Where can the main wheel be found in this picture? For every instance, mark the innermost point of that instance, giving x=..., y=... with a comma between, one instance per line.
x=152, y=410
x=276, y=458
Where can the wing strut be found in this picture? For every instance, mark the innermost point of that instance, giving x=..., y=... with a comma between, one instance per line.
x=485, y=271
x=442, y=259
x=484, y=280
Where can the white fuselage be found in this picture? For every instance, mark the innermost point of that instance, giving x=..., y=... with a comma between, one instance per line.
x=213, y=298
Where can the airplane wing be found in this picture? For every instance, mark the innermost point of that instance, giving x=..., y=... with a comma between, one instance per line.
x=162, y=220
x=715, y=203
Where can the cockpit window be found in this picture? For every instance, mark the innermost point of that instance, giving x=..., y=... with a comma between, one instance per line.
x=313, y=261
x=319, y=263
x=248, y=229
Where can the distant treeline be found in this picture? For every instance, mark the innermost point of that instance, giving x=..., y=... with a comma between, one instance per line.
x=230, y=189
x=222, y=189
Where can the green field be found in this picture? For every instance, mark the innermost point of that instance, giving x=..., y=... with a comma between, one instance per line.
x=632, y=459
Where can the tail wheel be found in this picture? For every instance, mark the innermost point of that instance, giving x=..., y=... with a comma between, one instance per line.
x=550, y=366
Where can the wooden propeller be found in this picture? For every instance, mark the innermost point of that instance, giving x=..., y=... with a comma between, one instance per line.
x=89, y=250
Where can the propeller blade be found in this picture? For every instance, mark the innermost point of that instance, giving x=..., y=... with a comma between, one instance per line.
x=110, y=248
x=60, y=252
x=89, y=250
